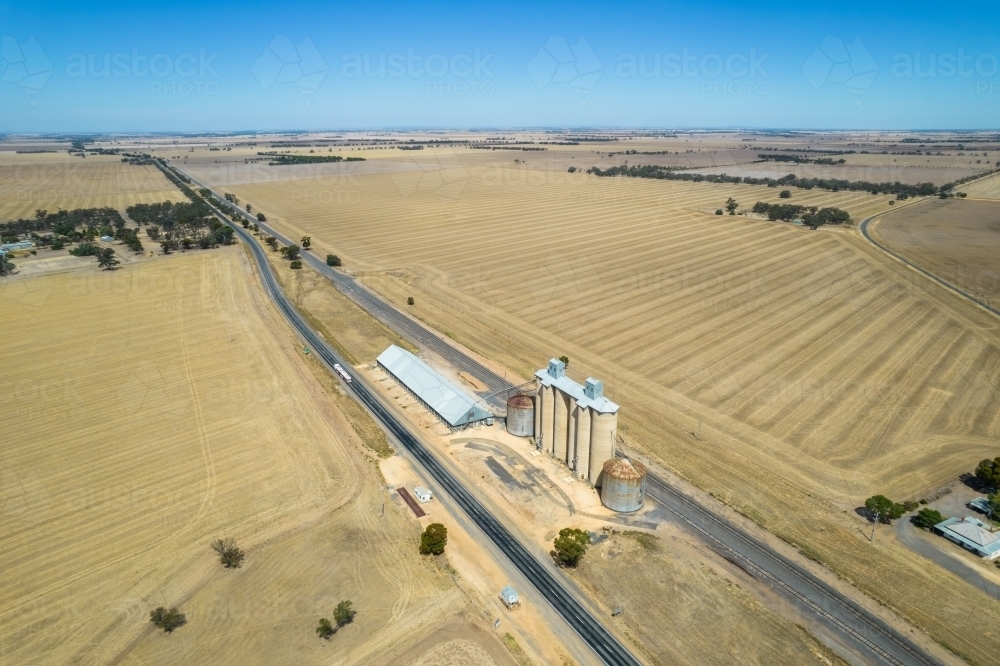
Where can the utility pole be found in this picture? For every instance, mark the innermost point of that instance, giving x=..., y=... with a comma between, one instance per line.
x=872, y=539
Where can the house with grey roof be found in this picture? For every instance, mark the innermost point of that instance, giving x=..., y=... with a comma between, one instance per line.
x=971, y=534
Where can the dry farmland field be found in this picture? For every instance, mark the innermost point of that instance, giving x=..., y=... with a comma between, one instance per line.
x=52, y=181
x=151, y=410
x=822, y=372
x=957, y=240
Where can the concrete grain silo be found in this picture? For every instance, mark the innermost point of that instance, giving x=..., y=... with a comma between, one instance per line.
x=521, y=415
x=623, y=485
x=574, y=423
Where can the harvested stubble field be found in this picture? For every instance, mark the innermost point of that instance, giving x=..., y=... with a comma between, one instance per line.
x=700, y=617
x=823, y=372
x=957, y=240
x=154, y=409
x=54, y=181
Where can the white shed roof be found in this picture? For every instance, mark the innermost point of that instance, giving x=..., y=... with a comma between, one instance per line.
x=509, y=595
x=446, y=400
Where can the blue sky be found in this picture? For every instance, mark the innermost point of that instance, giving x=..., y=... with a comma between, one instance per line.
x=77, y=67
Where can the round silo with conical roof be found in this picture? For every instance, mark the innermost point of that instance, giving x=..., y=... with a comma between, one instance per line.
x=623, y=485
x=521, y=415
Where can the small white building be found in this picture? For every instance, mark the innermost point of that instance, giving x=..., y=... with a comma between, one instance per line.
x=971, y=534
x=423, y=495
x=509, y=597
x=107, y=239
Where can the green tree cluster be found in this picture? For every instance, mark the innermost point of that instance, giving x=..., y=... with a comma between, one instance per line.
x=433, y=539
x=168, y=620
x=230, y=555
x=570, y=546
x=884, y=508
x=988, y=471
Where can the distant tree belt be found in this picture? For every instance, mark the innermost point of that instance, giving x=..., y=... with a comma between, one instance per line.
x=903, y=190
x=278, y=160
x=799, y=159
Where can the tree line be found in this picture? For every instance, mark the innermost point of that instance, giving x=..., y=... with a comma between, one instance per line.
x=901, y=190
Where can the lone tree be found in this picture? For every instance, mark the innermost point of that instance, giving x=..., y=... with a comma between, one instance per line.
x=565, y=360
x=785, y=194
x=884, y=508
x=988, y=471
x=433, y=539
x=291, y=252
x=168, y=620
x=927, y=518
x=106, y=259
x=409, y=300
x=306, y=242
x=332, y=260
x=731, y=205
x=272, y=242
x=570, y=546
x=261, y=217
x=230, y=555
x=344, y=614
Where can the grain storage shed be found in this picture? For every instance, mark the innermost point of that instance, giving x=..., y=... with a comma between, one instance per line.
x=623, y=485
x=521, y=415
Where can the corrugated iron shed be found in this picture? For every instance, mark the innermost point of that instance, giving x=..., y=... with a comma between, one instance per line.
x=447, y=401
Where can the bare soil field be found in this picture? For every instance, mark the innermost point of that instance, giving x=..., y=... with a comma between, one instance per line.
x=823, y=373
x=957, y=240
x=153, y=409
x=53, y=181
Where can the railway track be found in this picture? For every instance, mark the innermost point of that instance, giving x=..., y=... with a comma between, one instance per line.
x=589, y=628
x=870, y=634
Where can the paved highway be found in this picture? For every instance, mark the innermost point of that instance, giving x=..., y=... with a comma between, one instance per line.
x=870, y=635
x=600, y=640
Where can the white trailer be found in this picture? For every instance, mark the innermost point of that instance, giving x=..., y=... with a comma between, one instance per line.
x=343, y=373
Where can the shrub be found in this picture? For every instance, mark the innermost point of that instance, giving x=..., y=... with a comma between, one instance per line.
x=785, y=194
x=572, y=169
x=570, y=546
x=57, y=244
x=910, y=505
x=927, y=518
x=230, y=555
x=84, y=250
x=296, y=264
x=718, y=211
x=261, y=217
x=332, y=260
x=892, y=203
x=409, y=300
x=433, y=539
x=168, y=620
x=245, y=223
x=565, y=360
